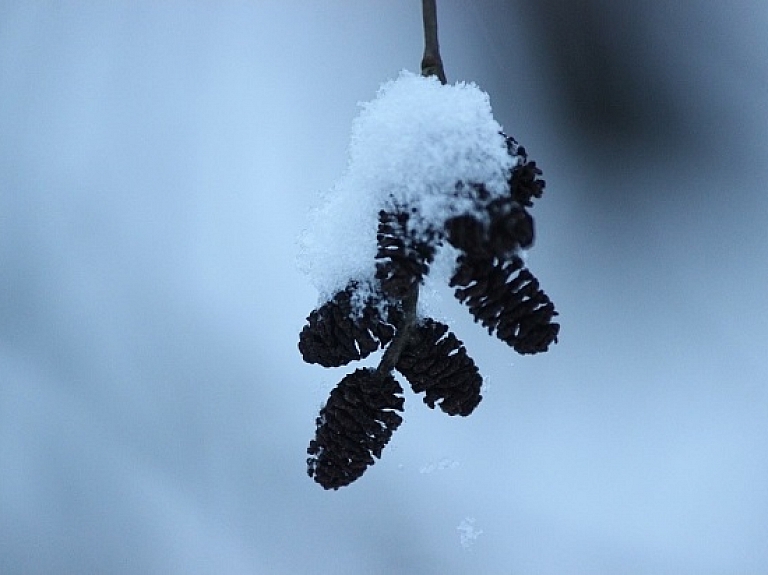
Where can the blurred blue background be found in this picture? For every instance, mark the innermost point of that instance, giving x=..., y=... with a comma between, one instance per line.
x=157, y=162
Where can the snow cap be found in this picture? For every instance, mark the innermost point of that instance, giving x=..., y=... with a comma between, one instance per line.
x=409, y=146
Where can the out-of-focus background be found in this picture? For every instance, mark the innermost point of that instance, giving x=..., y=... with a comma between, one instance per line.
x=157, y=161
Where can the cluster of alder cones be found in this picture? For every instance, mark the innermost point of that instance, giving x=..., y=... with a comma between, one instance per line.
x=490, y=278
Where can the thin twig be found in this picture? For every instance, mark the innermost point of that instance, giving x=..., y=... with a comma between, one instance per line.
x=431, y=63
x=404, y=328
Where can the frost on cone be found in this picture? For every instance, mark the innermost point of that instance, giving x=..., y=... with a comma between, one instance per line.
x=416, y=182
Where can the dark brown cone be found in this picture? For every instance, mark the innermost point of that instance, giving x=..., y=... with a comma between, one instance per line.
x=509, y=228
x=524, y=181
x=436, y=362
x=336, y=333
x=505, y=297
x=402, y=260
x=353, y=427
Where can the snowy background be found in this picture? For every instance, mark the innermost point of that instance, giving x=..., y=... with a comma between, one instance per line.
x=157, y=161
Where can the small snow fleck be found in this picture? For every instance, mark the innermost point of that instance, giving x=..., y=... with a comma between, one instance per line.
x=486, y=387
x=442, y=465
x=467, y=532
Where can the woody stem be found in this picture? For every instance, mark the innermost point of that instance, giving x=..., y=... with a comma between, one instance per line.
x=404, y=328
x=431, y=63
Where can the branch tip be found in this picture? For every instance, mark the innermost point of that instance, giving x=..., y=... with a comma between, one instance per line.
x=431, y=63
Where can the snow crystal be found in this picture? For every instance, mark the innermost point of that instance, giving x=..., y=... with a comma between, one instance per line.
x=410, y=146
x=442, y=465
x=467, y=532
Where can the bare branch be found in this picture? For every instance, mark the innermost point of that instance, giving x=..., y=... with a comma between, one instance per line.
x=392, y=353
x=431, y=63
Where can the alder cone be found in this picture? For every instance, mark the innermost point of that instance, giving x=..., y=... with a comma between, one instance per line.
x=506, y=226
x=403, y=260
x=505, y=297
x=337, y=333
x=353, y=427
x=436, y=363
x=524, y=181
x=508, y=229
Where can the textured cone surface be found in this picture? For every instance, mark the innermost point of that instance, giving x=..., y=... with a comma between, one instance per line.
x=509, y=228
x=435, y=362
x=353, y=427
x=505, y=297
x=402, y=259
x=337, y=333
x=524, y=181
